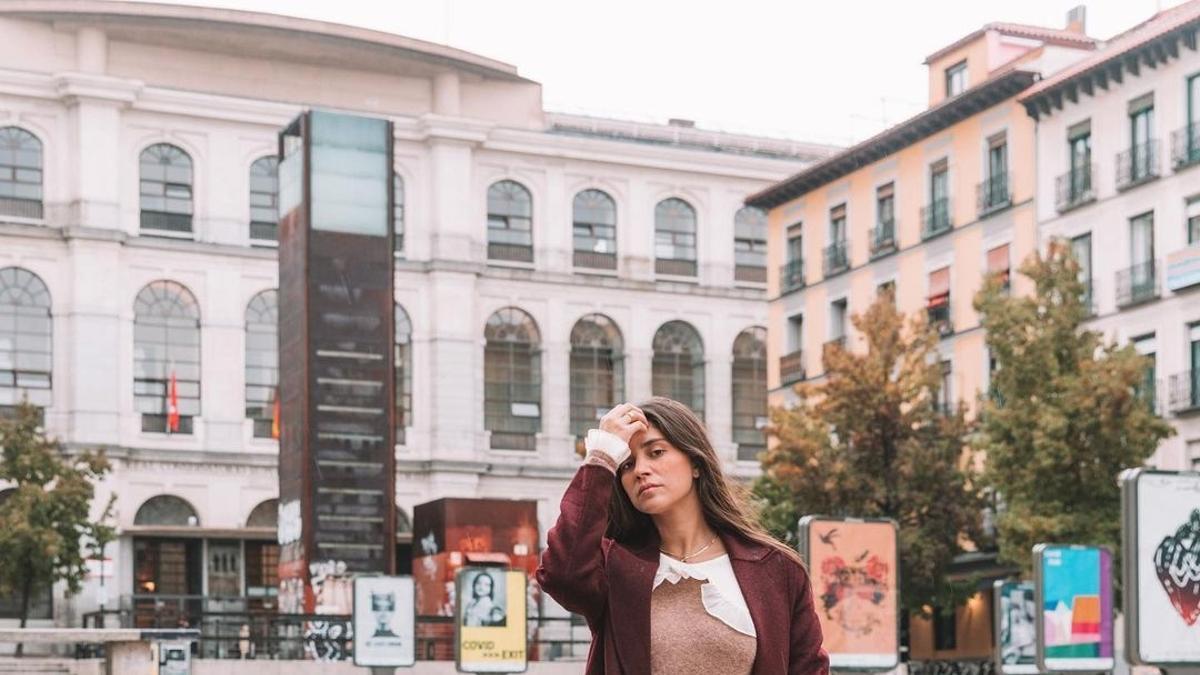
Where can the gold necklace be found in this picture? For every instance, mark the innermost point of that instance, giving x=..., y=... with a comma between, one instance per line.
x=695, y=553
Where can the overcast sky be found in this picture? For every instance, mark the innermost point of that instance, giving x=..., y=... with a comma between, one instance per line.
x=832, y=71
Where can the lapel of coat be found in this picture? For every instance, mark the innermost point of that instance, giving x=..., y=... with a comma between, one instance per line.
x=746, y=559
x=629, y=605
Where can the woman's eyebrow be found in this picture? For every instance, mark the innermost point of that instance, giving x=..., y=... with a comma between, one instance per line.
x=652, y=441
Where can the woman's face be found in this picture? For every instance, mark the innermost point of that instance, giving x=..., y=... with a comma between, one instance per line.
x=482, y=587
x=657, y=475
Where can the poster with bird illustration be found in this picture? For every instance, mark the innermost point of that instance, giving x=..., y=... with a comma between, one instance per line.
x=853, y=566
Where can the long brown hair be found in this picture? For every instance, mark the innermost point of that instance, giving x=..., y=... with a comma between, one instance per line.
x=721, y=502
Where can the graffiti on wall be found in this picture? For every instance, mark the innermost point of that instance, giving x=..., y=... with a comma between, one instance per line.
x=328, y=640
x=332, y=587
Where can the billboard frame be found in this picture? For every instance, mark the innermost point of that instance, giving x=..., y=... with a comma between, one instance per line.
x=997, y=618
x=412, y=639
x=804, y=525
x=1040, y=602
x=459, y=606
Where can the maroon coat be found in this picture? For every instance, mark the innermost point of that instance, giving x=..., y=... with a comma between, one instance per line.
x=610, y=584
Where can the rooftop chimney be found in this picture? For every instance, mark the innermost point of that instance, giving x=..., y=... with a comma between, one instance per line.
x=677, y=122
x=1077, y=19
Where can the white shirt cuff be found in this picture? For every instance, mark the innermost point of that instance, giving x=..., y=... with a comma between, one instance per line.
x=608, y=443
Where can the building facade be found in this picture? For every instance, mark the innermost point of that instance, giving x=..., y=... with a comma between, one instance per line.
x=1118, y=137
x=547, y=267
x=929, y=208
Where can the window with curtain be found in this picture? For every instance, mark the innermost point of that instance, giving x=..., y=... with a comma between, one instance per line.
x=938, y=302
x=262, y=363
x=750, y=245
x=675, y=238
x=512, y=380
x=998, y=264
x=20, y=173
x=677, y=368
x=166, y=189
x=749, y=394
x=26, y=339
x=510, y=222
x=594, y=227
x=166, y=357
x=264, y=199
x=403, y=378
x=597, y=371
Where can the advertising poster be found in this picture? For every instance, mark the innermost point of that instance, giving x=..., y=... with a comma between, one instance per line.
x=1164, y=574
x=490, y=620
x=384, y=621
x=1075, y=608
x=1016, y=628
x=855, y=581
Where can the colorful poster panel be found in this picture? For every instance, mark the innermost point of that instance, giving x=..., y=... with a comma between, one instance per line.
x=384, y=621
x=1016, y=628
x=855, y=578
x=1162, y=578
x=490, y=620
x=1073, y=587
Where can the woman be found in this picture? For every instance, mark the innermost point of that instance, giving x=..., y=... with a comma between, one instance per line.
x=672, y=575
x=478, y=611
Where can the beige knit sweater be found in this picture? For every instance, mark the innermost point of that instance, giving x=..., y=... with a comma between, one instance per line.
x=684, y=638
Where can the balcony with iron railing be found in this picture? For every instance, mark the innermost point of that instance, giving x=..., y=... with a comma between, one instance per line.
x=21, y=208
x=883, y=238
x=1137, y=284
x=837, y=259
x=791, y=367
x=1137, y=165
x=791, y=276
x=1074, y=188
x=935, y=218
x=993, y=194
x=1184, y=392
x=1185, y=146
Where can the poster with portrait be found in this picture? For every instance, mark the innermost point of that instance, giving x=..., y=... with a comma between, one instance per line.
x=490, y=620
x=384, y=621
x=1073, y=588
x=1162, y=576
x=1016, y=628
x=855, y=579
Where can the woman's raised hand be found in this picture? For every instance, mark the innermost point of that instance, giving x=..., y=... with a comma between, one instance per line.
x=624, y=421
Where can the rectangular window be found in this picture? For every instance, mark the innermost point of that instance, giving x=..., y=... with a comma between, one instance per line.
x=795, y=247
x=887, y=288
x=945, y=629
x=938, y=302
x=837, y=319
x=993, y=192
x=1147, y=346
x=998, y=264
x=884, y=239
x=1079, y=140
x=1141, y=132
x=945, y=398
x=1081, y=247
x=837, y=224
x=1193, y=101
x=936, y=214
x=795, y=332
x=1141, y=239
x=939, y=181
x=956, y=79
x=1192, y=212
x=1194, y=365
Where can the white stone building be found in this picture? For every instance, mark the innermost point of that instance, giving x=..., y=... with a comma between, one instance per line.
x=136, y=151
x=1118, y=142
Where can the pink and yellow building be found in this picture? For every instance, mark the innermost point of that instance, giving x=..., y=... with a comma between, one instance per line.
x=929, y=207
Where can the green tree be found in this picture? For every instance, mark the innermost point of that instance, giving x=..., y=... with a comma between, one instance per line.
x=1067, y=414
x=44, y=522
x=872, y=441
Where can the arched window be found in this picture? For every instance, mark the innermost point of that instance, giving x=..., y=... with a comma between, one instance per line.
x=597, y=370
x=262, y=363
x=750, y=245
x=166, y=189
x=166, y=510
x=512, y=380
x=749, y=393
x=266, y=514
x=398, y=213
x=510, y=222
x=595, y=225
x=166, y=357
x=20, y=173
x=675, y=238
x=26, y=334
x=264, y=199
x=677, y=370
x=403, y=523
x=403, y=365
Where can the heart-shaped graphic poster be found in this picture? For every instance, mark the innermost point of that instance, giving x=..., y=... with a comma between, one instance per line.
x=1177, y=562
